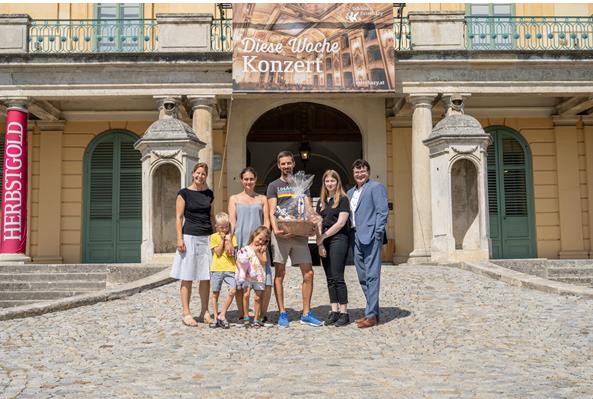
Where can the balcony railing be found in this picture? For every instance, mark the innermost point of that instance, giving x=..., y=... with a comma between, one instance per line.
x=93, y=36
x=482, y=33
x=403, y=34
x=529, y=33
x=221, y=32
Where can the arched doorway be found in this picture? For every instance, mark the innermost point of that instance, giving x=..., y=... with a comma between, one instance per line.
x=334, y=139
x=112, y=214
x=165, y=186
x=510, y=195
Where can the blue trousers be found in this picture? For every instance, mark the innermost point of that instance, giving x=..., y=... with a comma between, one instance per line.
x=367, y=259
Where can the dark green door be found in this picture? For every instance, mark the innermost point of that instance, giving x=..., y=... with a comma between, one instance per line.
x=113, y=200
x=510, y=196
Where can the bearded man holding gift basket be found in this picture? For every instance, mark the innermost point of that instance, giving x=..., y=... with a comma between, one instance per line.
x=293, y=221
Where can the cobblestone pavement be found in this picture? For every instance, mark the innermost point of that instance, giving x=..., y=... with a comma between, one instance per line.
x=444, y=333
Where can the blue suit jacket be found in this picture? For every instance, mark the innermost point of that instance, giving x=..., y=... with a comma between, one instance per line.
x=370, y=215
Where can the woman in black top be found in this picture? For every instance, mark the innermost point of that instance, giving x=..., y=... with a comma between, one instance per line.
x=193, y=256
x=333, y=242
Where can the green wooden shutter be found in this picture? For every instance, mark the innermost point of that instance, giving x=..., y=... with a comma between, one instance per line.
x=493, y=202
x=517, y=230
x=113, y=222
x=510, y=196
x=101, y=245
x=130, y=203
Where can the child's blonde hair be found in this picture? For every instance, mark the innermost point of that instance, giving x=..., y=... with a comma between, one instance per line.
x=258, y=231
x=221, y=218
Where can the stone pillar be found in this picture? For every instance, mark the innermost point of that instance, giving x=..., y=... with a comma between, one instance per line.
x=169, y=151
x=421, y=197
x=588, y=133
x=569, y=192
x=433, y=30
x=50, y=183
x=184, y=32
x=13, y=239
x=14, y=31
x=202, y=110
x=458, y=147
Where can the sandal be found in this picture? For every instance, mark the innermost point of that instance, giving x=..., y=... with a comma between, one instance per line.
x=207, y=319
x=189, y=321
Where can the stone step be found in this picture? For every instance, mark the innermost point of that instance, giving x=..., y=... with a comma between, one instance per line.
x=61, y=268
x=58, y=285
x=570, y=272
x=7, y=303
x=37, y=295
x=588, y=281
x=92, y=276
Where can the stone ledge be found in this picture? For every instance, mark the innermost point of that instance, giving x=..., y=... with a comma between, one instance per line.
x=493, y=55
x=109, y=294
x=214, y=57
x=519, y=279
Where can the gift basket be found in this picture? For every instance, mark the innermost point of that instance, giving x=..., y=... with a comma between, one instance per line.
x=293, y=216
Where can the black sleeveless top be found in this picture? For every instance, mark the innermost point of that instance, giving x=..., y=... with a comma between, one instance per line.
x=198, y=205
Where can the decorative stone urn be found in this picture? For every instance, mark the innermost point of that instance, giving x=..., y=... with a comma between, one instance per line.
x=458, y=147
x=169, y=151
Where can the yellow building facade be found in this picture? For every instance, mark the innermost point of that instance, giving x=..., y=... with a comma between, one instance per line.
x=535, y=102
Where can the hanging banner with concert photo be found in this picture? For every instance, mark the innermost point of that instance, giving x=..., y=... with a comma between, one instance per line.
x=313, y=47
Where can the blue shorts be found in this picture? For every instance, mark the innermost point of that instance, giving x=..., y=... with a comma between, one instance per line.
x=257, y=286
x=216, y=279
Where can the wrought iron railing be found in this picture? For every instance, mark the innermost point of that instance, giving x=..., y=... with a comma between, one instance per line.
x=403, y=35
x=529, y=33
x=93, y=35
x=221, y=35
x=141, y=35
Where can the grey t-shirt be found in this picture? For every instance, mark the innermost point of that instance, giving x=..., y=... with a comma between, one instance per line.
x=282, y=191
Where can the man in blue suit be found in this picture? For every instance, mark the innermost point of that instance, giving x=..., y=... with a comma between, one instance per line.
x=369, y=209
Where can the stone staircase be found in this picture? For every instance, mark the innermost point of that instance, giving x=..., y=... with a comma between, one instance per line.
x=572, y=271
x=579, y=275
x=29, y=283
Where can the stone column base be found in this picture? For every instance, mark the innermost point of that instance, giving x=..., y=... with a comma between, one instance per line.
x=419, y=256
x=163, y=259
x=14, y=258
x=573, y=255
x=49, y=260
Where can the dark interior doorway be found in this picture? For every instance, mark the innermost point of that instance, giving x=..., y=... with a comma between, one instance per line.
x=334, y=139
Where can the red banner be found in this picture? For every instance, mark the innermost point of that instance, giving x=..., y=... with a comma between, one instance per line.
x=14, y=184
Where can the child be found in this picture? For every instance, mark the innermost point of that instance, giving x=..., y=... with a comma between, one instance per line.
x=223, y=245
x=251, y=273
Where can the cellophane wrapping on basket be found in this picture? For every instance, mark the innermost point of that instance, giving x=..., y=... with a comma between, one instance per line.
x=292, y=216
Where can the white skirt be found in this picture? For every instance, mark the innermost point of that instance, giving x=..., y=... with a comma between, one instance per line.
x=194, y=263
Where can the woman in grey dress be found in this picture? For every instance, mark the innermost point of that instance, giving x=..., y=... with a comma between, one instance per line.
x=247, y=211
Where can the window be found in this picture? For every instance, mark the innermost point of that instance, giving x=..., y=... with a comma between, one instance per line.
x=119, y=27
x=346, y=61
x=374, y=53
x=490, y=26
x=348, y=80
x=379, y=78
x=370, y=33
x=345, y=42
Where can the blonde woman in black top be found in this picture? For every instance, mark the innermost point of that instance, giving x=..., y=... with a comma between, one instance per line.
x=333, y=242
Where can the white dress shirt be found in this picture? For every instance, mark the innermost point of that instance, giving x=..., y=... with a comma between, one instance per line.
x=354, y=204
